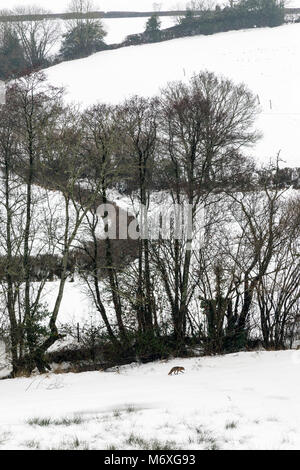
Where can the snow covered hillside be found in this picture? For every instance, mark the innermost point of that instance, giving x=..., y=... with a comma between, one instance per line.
x=118, y=28
x=239, y=401
x=266, y=59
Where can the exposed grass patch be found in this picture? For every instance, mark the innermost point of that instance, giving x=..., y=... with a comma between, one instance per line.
x=4, y=438
x=117, y=414
x=55, y=422
x=74, y=444
x=159, y=445
x=77, y=443
x=39, y=422
x=152, y=444
x=213, y=446
x=135, y=441
x=131, y=409
x=206, y=438
x=231, y=425
x=68, y=421
x=32, y=444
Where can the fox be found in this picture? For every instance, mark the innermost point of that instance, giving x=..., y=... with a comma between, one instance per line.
x=176, y=370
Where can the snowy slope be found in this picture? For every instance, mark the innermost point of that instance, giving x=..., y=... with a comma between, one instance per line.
x=266, y=59
x=238, y=401
x=118, y=28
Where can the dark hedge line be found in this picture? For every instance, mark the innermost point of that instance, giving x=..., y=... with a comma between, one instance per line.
x=244, y=15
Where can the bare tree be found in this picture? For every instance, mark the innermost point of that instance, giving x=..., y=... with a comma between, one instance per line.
x=101, y=146
x=81, y=7
x=204, y=126
x=200, y=5
x=138, y=124
x=278, y=294
x=260, y=234
x=10, y=205
x=29, y=109
x=38, y=37
x=38, y=133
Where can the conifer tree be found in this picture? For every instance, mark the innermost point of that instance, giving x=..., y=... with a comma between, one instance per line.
x=153, y=27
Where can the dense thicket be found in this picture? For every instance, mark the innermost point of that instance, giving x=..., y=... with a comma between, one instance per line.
x=241, y=15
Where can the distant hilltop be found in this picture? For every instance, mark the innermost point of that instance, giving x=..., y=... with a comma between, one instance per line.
x=108, y=14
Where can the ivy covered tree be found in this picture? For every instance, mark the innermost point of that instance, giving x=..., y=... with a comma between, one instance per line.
x=189, y=15
x=12, y=58
x=82, y=40
x=153, y=28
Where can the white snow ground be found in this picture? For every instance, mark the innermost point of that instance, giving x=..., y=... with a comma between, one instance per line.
x=266, y=59
x=238, y=401
x=118, y=28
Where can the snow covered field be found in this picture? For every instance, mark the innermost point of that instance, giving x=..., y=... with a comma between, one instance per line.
x=118, y=28
x=266, y=59
x=239, y=401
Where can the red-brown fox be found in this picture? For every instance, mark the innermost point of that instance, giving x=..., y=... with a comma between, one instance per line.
x=175, y=370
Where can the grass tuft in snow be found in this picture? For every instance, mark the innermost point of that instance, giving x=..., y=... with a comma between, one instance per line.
x=55, y=422
x=213, y=446
x=4, y=438
x=231, y=425
x=39, y=422
x=74, y=444
x=152, y=444
x=131, y=409
x=158, y=445
x=68, y=421
x=32, y=444
x=117, y=414
x=77, y=443
x=111, y=447
x=206, y=438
